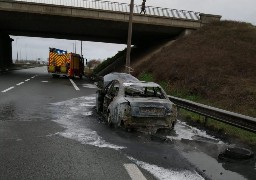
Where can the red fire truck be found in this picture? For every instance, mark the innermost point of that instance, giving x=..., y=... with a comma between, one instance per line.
x=63, y=63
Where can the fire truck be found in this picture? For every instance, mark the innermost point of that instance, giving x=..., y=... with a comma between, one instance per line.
x=63, y=63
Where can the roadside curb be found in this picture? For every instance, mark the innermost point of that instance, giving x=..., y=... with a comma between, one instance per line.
x=2, y=71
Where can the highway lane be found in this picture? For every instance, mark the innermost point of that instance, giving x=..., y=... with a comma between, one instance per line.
x=49, y=130
x=30, y=148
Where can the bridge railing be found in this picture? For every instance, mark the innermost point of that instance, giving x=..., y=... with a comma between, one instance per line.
x=121, y=7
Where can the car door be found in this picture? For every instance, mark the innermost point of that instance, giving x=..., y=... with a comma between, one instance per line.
x=111, y=101
x=109, y=96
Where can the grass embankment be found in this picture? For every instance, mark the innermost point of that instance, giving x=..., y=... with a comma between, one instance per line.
x=214, y=65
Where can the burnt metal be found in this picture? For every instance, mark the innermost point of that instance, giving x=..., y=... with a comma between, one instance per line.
x=125, y=101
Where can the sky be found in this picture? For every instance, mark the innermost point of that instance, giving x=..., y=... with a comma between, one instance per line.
x=34, y=48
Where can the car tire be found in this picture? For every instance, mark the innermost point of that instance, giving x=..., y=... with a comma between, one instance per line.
x=236, y=153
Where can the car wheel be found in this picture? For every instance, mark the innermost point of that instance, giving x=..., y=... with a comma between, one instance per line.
x=172, y=126
x=236, y=153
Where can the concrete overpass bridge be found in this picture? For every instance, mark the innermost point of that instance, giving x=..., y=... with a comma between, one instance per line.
x=90, y=20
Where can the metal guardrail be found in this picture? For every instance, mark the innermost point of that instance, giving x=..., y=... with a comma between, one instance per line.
x=235, y=119
x=121, y=7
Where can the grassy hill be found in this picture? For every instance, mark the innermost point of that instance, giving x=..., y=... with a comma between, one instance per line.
x=214, y=65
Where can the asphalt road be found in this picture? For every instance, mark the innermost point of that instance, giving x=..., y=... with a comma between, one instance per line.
x=49, y=130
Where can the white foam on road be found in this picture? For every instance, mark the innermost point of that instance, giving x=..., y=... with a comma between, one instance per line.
x=90, y=86
x=69, y=116
x=184, y=131
x=167, y=174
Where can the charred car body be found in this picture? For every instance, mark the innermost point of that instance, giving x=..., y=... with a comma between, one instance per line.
x=125, y=101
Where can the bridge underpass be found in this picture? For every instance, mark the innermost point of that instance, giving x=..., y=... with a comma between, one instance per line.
x=91, y=23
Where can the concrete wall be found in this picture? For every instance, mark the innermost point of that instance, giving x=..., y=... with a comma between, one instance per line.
x=5, y=51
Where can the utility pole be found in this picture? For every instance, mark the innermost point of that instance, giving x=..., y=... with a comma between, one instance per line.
x=129, y=40
x=17, y=48
x=75, y=46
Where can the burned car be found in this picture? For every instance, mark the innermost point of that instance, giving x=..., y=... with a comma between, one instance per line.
x=134, y=104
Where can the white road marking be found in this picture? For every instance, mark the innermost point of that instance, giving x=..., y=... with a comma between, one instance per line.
x=44, y=81
x=17, y=84
x=20, y=83
x=74, y=84
x=134, y=172
x=7, y=89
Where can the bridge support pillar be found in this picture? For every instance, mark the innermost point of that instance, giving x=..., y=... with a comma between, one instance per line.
x=5, y=51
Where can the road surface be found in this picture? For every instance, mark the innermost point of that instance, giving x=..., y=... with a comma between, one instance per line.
x=49, y=130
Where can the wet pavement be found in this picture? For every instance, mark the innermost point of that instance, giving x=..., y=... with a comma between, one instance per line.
x=49, y=130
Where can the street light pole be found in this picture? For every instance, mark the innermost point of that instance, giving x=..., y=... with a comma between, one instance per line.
x=17, y=48
x=75, y=46
x=128, y=53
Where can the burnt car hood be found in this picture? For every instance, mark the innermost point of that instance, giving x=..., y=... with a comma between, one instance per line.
x=149, y=107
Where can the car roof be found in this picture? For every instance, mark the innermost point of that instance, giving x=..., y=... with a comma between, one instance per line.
x=141, y=84
x=124, y=77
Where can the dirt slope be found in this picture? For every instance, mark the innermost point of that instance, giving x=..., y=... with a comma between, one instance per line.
x=216, y=64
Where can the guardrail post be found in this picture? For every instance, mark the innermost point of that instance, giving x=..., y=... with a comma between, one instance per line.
x=178, y=111
x=205, y=120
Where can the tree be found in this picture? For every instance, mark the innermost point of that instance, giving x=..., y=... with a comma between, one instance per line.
x=93, y=63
